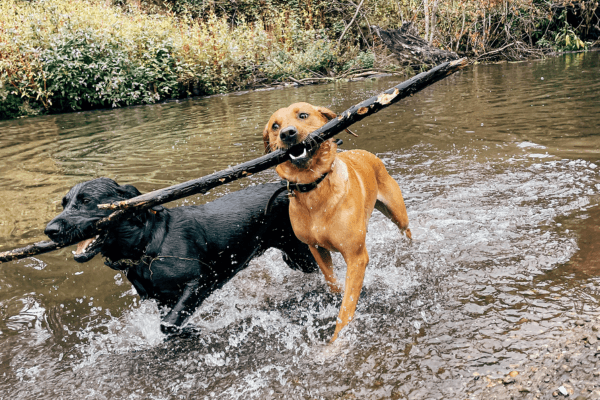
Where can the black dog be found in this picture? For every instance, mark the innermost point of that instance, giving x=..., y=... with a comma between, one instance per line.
x=179, y=256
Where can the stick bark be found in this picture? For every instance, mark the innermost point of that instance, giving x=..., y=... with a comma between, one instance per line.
x=129, y=208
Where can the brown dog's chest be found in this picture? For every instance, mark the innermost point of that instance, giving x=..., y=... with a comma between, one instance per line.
x=312, y=226
x=324, y=216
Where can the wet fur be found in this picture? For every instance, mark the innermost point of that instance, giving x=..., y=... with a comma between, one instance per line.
x=335, y=215
x=192, y=250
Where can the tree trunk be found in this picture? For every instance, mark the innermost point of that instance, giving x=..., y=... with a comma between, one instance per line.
x=426, y=8
x=433, y=19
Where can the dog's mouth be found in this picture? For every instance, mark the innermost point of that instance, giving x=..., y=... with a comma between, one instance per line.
x=87, y=249
x=301, y=157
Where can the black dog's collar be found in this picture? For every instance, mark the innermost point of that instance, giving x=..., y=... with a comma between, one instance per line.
x=125, y=263
x=292, y=187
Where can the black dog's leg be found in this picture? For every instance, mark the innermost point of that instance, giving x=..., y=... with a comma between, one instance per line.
x=192, y=295
x=297, y=256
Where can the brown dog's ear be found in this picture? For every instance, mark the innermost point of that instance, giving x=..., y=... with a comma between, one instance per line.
x=266, y=139
x=326, y=112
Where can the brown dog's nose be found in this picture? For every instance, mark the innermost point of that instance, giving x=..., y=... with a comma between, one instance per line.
x=288, y=134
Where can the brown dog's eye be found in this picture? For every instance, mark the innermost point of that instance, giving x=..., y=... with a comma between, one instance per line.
x=275, y=126
x=303, y=115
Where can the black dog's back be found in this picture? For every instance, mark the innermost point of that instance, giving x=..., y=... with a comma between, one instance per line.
x=238, y=221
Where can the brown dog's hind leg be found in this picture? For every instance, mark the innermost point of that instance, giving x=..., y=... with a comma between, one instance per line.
x=390, y=201
x=323, y=258
x=355, y=274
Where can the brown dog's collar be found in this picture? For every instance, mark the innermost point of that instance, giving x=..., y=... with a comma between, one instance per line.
x=292, y=187
x=302, y=187
x=298, y=187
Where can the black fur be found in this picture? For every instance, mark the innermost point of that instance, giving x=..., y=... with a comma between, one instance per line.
x=182, y=254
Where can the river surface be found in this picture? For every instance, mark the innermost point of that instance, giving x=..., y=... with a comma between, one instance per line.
x=500, y=170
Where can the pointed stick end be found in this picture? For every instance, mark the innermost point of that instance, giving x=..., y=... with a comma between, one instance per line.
x=460, y=63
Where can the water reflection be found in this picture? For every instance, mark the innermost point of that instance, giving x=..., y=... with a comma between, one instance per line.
x=499, y=169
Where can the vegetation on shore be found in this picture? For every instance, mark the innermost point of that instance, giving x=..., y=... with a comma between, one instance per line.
x=62, y=55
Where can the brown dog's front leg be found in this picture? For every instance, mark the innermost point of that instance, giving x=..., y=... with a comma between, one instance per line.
x=323, y=258
x=355, y=274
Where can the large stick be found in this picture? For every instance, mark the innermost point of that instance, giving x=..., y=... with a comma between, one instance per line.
x=128, y=208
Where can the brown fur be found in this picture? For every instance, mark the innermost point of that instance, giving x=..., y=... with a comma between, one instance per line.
x=334, y=216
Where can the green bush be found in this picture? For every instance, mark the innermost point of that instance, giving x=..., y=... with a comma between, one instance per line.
x=60, y=55
x=10, y=105
x=86, y=69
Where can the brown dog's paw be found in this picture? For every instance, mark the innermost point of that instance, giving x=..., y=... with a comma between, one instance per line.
x=335, y=287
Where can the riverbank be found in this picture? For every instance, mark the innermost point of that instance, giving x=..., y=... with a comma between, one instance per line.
x=65, y=55
x=567, y=367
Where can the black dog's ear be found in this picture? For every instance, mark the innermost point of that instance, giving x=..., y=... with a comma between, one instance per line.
x=128, y=191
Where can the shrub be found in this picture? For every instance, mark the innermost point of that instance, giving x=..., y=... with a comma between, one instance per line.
x=84, y=69
x=60, y=55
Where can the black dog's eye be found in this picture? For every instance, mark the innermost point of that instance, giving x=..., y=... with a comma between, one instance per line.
x=85, y=201
x=275, y=126
x=303, y=115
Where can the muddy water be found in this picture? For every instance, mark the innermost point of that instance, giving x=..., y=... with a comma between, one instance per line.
x=499, y=166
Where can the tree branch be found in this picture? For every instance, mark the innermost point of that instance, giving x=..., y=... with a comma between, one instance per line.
x=351, y=22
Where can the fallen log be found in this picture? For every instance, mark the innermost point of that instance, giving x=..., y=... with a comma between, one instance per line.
x=410, y=49
x=129, y=208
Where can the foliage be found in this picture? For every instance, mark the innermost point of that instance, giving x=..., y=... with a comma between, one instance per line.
x=60, y=55
x=566, y=39
x=471, y=27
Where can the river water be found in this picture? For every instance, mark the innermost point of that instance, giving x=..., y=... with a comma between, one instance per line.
x=499, y=166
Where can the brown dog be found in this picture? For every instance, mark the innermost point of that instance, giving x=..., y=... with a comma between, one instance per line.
x=334, y=215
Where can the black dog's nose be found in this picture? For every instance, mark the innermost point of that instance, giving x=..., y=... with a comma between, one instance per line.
x=52, y=229
x=289, y=134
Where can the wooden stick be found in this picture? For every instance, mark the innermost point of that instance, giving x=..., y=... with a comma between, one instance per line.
x=29, y=250
x=128, y=208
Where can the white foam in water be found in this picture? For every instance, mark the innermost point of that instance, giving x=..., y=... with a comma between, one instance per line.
x=32, y=315
x=137, y=329
x=525, y=145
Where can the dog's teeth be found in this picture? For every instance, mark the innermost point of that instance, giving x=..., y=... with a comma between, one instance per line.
x=300, y=156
